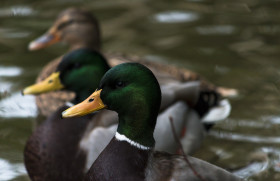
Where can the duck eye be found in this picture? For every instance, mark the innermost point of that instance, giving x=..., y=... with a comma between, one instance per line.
x=119, y=84
x=64, y=24
x=50, y=81
x=90, y=100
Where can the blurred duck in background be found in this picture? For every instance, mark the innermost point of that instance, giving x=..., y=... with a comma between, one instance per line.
x=57, y=143
x=134, y=93
x=79, y=29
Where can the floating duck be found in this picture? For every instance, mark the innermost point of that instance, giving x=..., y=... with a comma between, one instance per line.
x=54, y=151
x=134, y=93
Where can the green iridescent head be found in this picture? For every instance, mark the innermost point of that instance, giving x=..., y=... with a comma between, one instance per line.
x=82, y=69
x=79, y=71
x=133, y=92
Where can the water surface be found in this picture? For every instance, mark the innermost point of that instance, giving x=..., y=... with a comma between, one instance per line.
x=231, y=43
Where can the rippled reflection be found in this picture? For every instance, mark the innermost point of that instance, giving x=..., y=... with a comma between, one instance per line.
x=252, y=169
x=16, y=11
x=9, y=171
x=245, y=138
x=176, y=17
x=18, y=106
x=218, y=29
x=10, y=71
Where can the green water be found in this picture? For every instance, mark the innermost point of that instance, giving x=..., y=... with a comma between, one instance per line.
x=231, y=43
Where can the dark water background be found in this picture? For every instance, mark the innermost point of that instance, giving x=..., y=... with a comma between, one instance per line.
x=231, y=43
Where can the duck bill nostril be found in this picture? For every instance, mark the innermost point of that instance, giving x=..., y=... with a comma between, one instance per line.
x=51, y=83
x=91, y=104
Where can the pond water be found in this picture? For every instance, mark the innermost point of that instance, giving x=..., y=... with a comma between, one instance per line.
x=231, y=43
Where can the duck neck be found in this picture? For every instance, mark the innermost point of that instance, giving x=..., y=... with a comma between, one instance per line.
x=123, y=160
x=84, y=45
x=136, y=130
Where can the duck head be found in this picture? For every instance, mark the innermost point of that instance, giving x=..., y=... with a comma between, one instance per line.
x=133, y=92
x=79, y=71
x=75, y=27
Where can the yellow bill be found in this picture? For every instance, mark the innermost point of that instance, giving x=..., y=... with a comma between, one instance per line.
x=51, y=83
x=91, y=104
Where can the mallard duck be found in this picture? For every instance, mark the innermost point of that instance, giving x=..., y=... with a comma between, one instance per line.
x=79, y=29
x=55, y=147
x=54, y=151
x=134, y=93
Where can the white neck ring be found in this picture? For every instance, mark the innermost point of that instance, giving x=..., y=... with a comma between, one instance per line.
x=121, y=137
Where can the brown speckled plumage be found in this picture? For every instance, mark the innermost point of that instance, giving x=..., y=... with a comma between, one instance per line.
x=50, y=102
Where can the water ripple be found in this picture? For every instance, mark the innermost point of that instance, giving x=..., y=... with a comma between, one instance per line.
x=10, y=71
x=5, y=86
x=175, y=17
x=218, y=29
x=252, y=169
x=18, y=106
x=245, y=138
x=16, y=11
x=9, y=171
x=274, y=120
